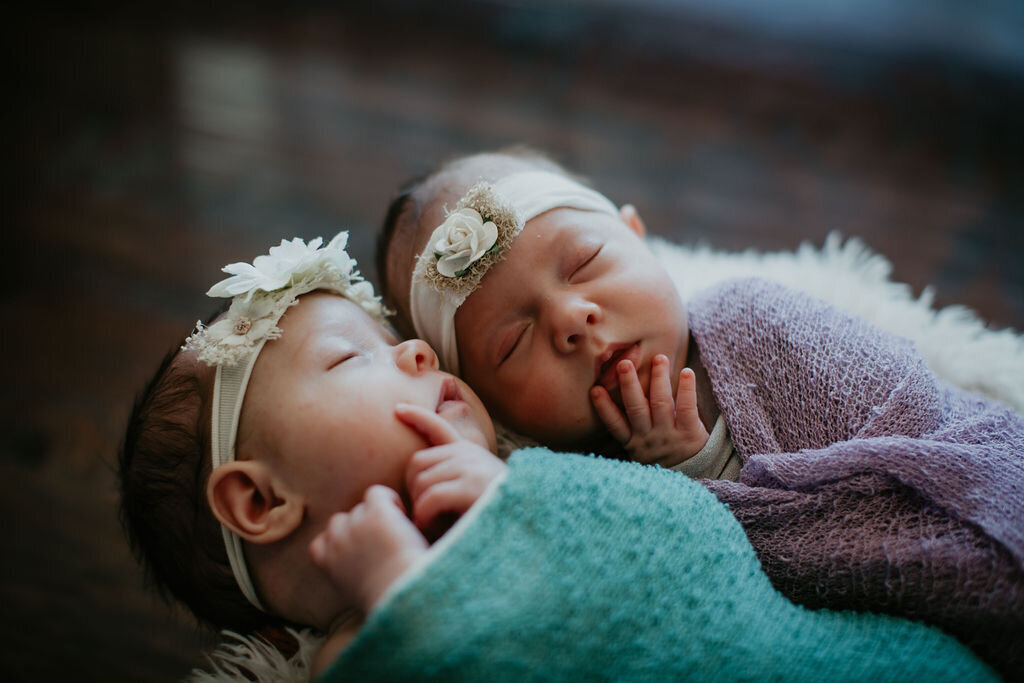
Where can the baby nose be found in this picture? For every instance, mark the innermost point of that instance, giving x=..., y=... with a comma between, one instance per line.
x=415, y=356
x=572, y=320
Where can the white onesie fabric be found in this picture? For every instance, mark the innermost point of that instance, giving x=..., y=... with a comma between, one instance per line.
x=717, y=460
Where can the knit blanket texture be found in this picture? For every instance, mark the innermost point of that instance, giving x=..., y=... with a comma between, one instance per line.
x=582, y=568
x=867, y=483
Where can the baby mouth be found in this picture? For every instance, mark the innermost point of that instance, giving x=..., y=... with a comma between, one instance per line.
x=449, y=397
x=606, y=373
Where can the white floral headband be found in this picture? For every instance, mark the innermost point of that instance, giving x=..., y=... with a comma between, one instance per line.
x=474, y=237
x=262, y=292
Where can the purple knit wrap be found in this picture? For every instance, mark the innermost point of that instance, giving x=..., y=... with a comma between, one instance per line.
x=867, y=483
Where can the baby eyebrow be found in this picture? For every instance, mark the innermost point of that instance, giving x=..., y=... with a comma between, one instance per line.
x=340, y=339
x=328, y=352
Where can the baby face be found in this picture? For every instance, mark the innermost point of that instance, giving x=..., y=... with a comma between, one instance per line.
x=321, y=403
x=577, y=292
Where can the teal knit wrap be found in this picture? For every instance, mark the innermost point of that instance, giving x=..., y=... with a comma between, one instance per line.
x=581, y=568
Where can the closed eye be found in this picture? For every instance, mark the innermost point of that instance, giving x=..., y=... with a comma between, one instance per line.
x=340, y=360
x=512, y=345
x=586, y=262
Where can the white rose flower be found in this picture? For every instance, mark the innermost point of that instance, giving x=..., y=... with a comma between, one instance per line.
x=464, y=238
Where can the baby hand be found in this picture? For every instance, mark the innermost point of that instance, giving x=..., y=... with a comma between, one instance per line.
x=365, y=550
x=661, y=433
x=445, y=479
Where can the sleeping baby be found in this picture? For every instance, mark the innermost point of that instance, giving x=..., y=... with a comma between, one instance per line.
x=861, y=479
x=294, y=461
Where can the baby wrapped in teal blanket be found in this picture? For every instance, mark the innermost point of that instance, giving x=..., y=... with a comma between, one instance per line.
x=577, y=568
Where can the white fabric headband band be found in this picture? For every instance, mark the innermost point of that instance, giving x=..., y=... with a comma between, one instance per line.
x=228, y=392
x=261, y=293
x=473, y=237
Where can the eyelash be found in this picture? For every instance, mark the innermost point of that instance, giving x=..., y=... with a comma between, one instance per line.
x=586, y=262
x=514, y=346
x=522, y=332
x=341, y=360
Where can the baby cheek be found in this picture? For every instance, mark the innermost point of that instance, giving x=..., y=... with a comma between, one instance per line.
x=552, y=404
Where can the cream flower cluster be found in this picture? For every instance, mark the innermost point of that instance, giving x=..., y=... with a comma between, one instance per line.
x=282, y=265
x=263, y=290
x=464, y=237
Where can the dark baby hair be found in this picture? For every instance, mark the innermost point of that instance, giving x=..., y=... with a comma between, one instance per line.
x=163, y=468
x=401, y=221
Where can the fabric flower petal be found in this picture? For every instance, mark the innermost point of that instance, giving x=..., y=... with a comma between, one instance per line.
x=339, y=241
x=263, y=290
x=462, y=239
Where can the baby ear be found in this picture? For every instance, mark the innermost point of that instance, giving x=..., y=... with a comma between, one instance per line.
x=631, y=218
x=247, y=498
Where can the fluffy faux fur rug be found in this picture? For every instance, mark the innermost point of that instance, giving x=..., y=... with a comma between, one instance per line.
x=954, y=341
x=251, y=658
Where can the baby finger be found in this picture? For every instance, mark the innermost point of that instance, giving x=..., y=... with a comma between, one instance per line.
x=633, y=399
x=662, y=407
x=610, y=415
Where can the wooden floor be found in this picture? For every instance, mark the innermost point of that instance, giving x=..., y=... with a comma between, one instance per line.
x=146, y=150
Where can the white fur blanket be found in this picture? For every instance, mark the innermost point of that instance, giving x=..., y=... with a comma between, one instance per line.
x=954, y=341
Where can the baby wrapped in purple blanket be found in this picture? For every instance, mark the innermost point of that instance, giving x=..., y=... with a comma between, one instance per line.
x=867, y=482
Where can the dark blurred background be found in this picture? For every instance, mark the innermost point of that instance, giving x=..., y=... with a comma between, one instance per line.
x=148, y=145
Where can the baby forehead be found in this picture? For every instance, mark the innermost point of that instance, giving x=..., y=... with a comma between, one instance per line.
x=321, y=315
x=561, y=231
